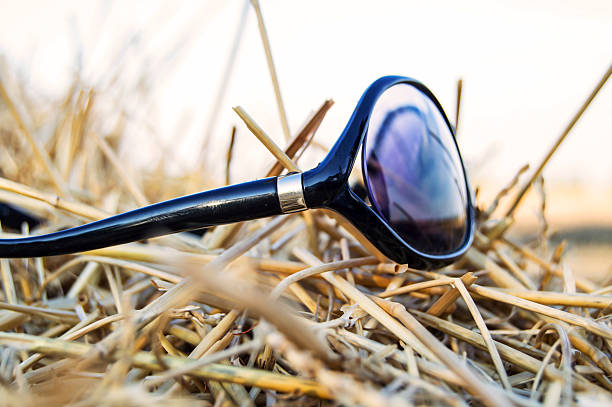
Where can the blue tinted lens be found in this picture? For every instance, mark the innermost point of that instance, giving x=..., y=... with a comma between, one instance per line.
x=413, y=171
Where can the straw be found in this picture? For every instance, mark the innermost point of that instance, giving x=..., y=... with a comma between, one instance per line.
x=293, y=310
x=521, y=194
x=277, y=93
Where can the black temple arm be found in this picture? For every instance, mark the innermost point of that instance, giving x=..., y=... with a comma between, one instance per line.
x=234, y=203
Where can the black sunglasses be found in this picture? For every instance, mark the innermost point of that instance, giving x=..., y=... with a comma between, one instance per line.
x=420, y=207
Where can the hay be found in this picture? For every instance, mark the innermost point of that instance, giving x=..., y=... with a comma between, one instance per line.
x=294, y=310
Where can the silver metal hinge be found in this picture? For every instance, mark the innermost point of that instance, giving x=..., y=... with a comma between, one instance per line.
x=290, y=193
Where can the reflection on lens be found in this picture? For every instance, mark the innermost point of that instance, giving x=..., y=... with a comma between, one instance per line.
x=414, y=173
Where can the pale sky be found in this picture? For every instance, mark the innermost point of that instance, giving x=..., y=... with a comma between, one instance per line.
x=527, y=67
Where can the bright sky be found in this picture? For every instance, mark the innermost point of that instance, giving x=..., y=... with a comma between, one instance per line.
x=526, y=66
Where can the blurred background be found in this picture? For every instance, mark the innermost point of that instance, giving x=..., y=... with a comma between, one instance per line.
x=170, y=72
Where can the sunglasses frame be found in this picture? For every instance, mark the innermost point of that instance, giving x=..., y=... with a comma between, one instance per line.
x=325, y=186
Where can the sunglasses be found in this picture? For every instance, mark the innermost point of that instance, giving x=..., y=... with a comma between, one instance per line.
x=417, y=207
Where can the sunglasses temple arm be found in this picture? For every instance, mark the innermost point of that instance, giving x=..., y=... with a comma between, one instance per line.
x=234, y=203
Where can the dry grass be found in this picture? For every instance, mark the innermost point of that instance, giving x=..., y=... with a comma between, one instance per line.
x=293, y=310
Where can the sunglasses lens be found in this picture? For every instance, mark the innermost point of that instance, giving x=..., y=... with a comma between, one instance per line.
x=414, y=173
